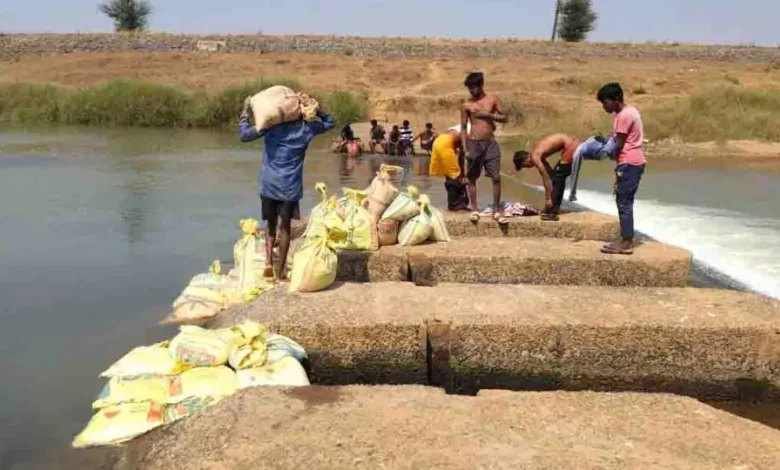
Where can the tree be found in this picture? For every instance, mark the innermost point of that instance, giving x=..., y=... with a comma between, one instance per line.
x=577, y=20
x=128, y=15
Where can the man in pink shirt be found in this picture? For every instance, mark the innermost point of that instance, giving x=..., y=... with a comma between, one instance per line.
x=629, y=136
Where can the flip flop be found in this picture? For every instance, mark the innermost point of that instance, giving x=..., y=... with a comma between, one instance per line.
x=474, y=217
x=500, y=219
x=615, y=250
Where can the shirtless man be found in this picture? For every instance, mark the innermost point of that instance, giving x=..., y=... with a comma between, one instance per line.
x=554, y=179
x=427, y=137
x=482, y=111
x=378, y=134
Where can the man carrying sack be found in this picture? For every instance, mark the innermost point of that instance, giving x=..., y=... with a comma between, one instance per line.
x=281, y=177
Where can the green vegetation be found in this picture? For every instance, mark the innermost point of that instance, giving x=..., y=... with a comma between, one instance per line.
x=577, y=19
x=718, y=114
x=128, y=15
x=125, y=103
x=712, y=115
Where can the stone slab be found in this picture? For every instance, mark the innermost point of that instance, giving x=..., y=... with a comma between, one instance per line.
x=584, y=225
x=708, y=343
x=373, y=266
x=360, y=427
x=544, y=261
x=353, y=333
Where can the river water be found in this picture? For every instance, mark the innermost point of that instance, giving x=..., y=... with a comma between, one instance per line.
x=102, y=228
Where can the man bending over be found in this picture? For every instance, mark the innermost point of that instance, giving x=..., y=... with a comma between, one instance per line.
x=554, y=179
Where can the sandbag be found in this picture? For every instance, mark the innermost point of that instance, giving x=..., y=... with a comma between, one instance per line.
x=387, y=232
x=280, y=104
x=359, y=226
x=198, y=302
x=279, y=347
x=210, y=280
x=315, y=223
x=325, y=215
x=249, y=255
x=145, y=360
x=440, y=232
x=203, y=348
x=189, y=407
x=404, y=206
x=200, y=381
x=287, y=372
x=415, y=230
x=254, y=352
x=314, y=265
x=120, y=423
x=381, y=192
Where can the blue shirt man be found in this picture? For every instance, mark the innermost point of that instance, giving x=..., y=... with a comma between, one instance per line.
x=281, y=176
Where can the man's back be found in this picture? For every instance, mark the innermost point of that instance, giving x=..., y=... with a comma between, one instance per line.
x=285, y=147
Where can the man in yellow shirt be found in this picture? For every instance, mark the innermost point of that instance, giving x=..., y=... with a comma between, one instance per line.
x=447, y=161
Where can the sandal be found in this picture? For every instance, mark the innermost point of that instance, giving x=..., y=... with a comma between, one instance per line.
x=549, y=217
x=474, y=217
x=616, y=250
x=268, y=272
x=500, y=219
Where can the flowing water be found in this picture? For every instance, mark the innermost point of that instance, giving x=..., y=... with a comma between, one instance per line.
x=102, y=229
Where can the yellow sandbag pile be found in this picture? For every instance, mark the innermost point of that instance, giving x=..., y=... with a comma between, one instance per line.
x=209, y=293
x=280, y=104
x=156, y=385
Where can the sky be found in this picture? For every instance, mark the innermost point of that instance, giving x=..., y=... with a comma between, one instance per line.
x=700, y=21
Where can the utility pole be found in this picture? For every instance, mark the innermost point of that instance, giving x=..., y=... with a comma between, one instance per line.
x=555, y=22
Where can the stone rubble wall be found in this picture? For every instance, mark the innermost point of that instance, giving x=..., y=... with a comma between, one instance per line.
x=14, y=46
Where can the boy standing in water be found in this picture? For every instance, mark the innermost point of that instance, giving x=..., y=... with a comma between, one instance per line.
x=481, y=111
x=629, y=138
x=281, y=178
x=427, y=137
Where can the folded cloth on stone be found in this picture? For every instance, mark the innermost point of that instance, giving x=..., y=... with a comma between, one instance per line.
x=510, y=209
x=591, y=149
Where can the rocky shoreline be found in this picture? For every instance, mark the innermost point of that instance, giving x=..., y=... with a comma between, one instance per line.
x=14, y=46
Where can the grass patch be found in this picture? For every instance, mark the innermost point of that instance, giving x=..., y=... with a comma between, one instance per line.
x=138, y=104
x=718, y=114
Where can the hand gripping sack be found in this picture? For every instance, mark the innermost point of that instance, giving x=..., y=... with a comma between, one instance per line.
x=382, y=192
x=280, y=104
x=404, y=206
x=315, y=265
x=440, y=232
x=359, y=226
x=416, y=230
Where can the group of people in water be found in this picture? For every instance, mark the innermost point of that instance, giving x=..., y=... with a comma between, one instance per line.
x=461, y=155
x=399, y=142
